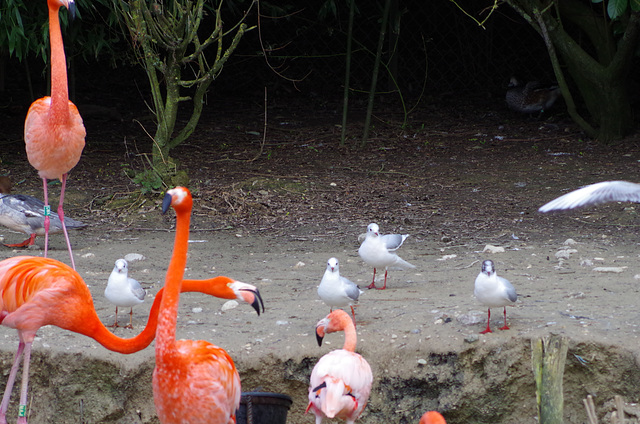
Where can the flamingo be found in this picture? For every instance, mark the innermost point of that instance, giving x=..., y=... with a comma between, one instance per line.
x=378, y=251
x=432, y=417
x=123, y=290
x=594, y=194
x=53, y=130
x=37, y=291
x=492, y=291
x=193, y=381
x=338, y=291
x=341, y=380
x=24, y=213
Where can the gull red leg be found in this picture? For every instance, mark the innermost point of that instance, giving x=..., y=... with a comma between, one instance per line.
x=353, y=314
x=385, y=281
x=488, y=329
x=373, y=283
x=506, y=327
x=28, y=242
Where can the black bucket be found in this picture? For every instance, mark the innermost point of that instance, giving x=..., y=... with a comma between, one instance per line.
x=263, y=408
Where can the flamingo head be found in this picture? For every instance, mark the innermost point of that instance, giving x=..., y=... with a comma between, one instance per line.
x=70, y=5
x=179, y=197
x=247, y=293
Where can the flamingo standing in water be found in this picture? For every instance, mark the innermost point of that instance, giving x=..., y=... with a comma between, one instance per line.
x=36, y=291
x=53, y=130
x=432, y=417
x=341, y=380
x=193, y=381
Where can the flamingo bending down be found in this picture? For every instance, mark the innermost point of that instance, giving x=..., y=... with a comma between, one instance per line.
x=53, y=130
x=193, y=381
x=432, y=417
x=341, y=380
x=25, y=214
x=36, y=291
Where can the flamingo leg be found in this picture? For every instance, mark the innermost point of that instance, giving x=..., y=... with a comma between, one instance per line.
x=22, y=407
x=47, y=220
x=373, y=283
x=487, y=330
x=61, y=215
x=4, y=406
x=506, y=327
x=28, y=242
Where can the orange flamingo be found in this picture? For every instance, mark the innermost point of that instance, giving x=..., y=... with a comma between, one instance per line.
x=341, y=380
x=193, y=381
x=432, y=417
x=53, y=130
x=38, y=291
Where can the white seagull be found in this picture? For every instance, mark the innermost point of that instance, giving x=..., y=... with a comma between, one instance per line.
x=594, y=194
x=123, y=291
x=493, y=291
x=377, y=251
x=337, y=291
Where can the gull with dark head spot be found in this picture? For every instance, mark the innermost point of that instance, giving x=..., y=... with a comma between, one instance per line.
x=123, y=290
x=493, y=291
x=337, y=291
x=378, y=250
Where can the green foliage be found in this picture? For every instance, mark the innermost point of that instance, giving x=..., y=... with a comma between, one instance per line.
x=24, y=29
x=617, y=8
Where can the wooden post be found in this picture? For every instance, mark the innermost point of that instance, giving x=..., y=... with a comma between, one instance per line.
x=548, y=356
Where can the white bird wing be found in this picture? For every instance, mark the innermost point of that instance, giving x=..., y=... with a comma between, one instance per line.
x=137, y=289
x=393, y=241
x=606, y=191
x=350, y=288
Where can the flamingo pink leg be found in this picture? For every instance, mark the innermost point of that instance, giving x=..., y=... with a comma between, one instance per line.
x=61, y=215
x=4, y=406
x=22, y=408
x=506, y=327
x=488, y=330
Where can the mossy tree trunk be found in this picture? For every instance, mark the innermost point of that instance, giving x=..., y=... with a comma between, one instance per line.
x=166, y=37
x=597, y=61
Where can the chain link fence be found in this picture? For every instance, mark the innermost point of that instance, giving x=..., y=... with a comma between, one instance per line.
x=430, y=47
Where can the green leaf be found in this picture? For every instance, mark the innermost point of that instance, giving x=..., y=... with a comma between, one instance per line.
x=616, y=8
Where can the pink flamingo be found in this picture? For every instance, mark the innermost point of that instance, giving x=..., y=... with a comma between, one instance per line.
x=341, y=380
x=193, y=381
x=36, y=291
x=432, y=417
x=53, y=130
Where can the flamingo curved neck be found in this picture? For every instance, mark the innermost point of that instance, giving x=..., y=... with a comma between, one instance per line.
x=166, y=332
x=350, y=337
x=59, y=89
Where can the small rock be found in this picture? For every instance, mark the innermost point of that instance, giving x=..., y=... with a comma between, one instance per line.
x=614, y=269
x=300, y=264
x=229, y=305
x=422, y=361
x=493, y=249
x=586, y=262
x=279, y=322
x=446, y=257
x=196, y=310
x=565, y=253
x=133, y=257
x=471, y=318
x=569, y=242
x=471, y=338
x=87, y=255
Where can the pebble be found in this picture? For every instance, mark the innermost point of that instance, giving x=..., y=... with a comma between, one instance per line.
x=493, y=249
x=132, y=257
x=614, y=269
x=231, y=304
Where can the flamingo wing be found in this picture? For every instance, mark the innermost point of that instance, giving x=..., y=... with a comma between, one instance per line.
x=340, y=385
x=209, y=386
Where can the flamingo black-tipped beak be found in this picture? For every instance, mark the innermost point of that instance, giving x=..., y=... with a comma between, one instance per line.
x=71, y=7
x=166, y=203
x=319, y=337
x=257, y=301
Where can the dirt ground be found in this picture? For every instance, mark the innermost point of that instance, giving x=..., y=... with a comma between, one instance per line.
x=461, y=176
